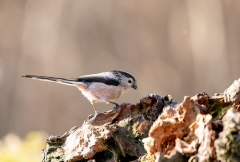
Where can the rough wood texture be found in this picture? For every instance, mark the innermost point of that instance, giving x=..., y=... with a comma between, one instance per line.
x=114, y=135
x=156, y=129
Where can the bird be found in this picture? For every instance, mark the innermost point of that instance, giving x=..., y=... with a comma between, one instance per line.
x=101, y=87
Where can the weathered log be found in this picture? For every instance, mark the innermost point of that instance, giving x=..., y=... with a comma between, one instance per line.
x=114, y=135
x=156, y=129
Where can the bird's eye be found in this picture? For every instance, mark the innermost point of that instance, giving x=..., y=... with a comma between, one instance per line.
x=129, y=81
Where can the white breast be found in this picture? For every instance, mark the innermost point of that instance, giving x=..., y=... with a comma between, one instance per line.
x=100, y=92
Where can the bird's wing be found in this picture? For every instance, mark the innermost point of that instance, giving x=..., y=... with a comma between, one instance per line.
x=98, y=78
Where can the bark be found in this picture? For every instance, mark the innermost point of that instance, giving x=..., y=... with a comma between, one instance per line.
x=201, y=128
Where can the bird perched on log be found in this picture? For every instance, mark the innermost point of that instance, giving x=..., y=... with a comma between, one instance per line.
x=102, y=87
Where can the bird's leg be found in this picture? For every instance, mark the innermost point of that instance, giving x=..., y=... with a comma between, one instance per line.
x=94, y=109
x=114, y=103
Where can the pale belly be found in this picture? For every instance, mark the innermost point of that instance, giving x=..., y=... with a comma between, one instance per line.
x=99, y=92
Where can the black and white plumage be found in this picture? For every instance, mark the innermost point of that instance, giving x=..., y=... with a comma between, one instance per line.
x=102, y=87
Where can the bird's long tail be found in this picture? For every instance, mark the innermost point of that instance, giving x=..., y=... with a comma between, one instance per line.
x=71, y=82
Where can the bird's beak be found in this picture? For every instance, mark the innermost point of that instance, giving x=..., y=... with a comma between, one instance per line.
x=135, y=87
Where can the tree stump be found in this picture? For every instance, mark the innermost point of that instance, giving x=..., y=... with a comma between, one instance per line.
x=201, y=128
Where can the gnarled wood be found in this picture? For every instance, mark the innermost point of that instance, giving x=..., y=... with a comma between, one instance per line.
x=156, y=129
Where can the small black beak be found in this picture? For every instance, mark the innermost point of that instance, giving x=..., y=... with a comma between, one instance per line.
x=135, y=87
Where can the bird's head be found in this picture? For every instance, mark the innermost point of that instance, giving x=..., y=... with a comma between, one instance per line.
x=126, y=80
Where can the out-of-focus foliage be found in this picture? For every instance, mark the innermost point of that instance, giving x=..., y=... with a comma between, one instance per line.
x=29, y=149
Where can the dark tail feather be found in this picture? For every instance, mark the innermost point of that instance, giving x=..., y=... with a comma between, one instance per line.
x=52, y=79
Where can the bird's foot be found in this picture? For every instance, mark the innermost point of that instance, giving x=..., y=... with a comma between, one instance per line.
x=116, y=105
x=93, y=116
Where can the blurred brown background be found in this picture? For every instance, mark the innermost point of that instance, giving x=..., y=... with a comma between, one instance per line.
x=171, y=47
